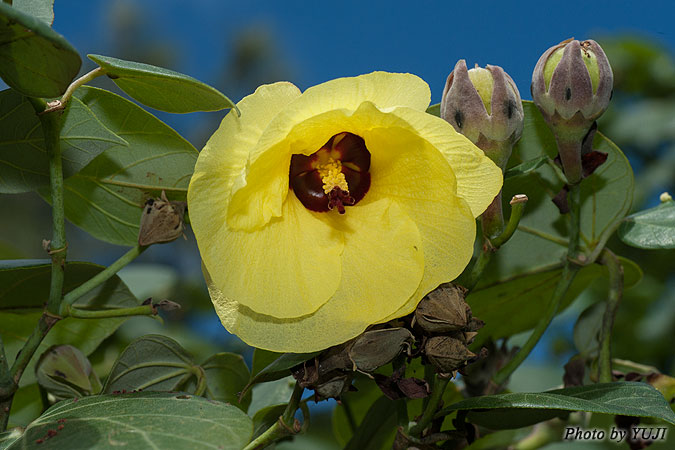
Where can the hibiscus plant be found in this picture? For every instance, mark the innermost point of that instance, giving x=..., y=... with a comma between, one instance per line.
x=371, y=248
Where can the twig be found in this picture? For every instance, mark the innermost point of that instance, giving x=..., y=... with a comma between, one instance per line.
x=609, y=260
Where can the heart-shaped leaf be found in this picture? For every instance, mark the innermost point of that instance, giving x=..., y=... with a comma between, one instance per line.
x=226, y=376
x=152, y=362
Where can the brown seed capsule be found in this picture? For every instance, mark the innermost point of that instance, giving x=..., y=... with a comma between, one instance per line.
x=443, y=310
x=333, y=388
x=376, y=348
x=447, y=353
x=162, y=221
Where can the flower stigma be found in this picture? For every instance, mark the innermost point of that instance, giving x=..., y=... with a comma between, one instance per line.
x=334, y=176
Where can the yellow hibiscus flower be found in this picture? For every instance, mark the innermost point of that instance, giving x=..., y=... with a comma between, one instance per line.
x=320, y=213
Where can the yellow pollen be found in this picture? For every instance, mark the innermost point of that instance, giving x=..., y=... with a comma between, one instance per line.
x=332, y=176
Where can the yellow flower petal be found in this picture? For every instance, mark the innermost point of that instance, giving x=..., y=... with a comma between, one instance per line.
x=382, y=266
x=289, y=268
x=259, y=199
x=479, y=180
x=295, y=272
x=418, y=178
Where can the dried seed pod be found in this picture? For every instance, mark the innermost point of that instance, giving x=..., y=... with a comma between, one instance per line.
x=376, y=348
x=162, y=221
x=443, y=310
x=333, y=388
x=447, y=353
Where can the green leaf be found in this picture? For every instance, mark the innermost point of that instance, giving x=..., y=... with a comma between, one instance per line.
x=7, y=438
x=266, y=417
x=524, y=298
x=226, y=376
x=24, y=288
x=34, y=59
x=270, y=394
x=24, y=162
x=516, y=410
x=652, y=228
x=587, y=328
x=378, y=428
x=353, y=408
x=261, y=359
x=140, y=420
x=152, y=362
x=278, y=368
x=106, y=197
x=526, y=167
x=26, y=406
x=161, y=88
x=435, y=109
x=41, y=9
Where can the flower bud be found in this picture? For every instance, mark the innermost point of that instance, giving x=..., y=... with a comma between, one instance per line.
x=572, y=85
x=65, y=372
x=484, y=105
x=573, y=78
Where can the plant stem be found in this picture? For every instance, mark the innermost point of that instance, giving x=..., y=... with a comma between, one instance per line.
x=492, y=245
x=201, y=381
x=43, y=326
x=570, y=270
x=143, y=310
x=517, y=207
x=440, y=383
x=492, y=219
x=84, y=79
x=100, y=277
x=569, y=149
x=51, y=129
x=609, y=260
x=7, y=388
x=283, y=427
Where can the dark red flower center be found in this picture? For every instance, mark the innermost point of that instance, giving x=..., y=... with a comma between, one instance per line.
x=334, y=176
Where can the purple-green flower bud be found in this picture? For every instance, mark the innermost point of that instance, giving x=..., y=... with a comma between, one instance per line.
x=572, y=85
x=484, y=105
x=573, y=78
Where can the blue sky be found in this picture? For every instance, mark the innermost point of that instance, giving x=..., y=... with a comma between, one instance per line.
x=324, y=40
